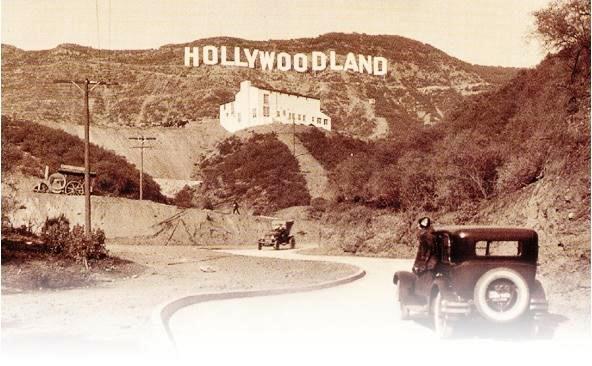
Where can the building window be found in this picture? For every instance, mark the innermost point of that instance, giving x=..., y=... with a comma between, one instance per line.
x=238, y=115
x=232, y=108
x=254, y=112
x=312, y=118
x=303, y=117
x=265, y=98
x=284, y=113
x=319, y=120
x=299, y=117
x=265, y=111
x=325, y=121
x=278, y=113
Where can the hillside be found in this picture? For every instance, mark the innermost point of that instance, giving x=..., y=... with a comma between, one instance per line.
x=259, y=171
x=28, y=147
x=423, y=83
x=519, y=155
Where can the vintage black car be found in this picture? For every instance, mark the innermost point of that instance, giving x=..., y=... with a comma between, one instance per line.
x=278, y=235
x=483, y=271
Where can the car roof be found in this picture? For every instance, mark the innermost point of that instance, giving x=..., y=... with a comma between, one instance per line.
x=485, y=232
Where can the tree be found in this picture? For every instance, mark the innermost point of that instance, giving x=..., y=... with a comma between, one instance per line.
x=564, y=25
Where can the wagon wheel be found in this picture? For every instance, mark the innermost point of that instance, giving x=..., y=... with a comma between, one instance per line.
x=74, y=188
x=57, y=182
x=41, y=188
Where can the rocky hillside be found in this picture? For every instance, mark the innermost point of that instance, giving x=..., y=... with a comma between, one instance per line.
x=155, y=88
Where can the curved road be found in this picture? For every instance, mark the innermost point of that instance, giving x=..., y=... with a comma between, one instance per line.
x=352, y=323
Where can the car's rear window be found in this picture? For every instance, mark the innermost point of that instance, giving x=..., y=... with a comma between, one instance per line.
x=498, y=248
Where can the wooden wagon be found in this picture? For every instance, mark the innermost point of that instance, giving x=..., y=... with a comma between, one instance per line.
x=68, y=180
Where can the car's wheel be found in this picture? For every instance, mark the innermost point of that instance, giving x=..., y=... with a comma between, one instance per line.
x=501, y=295
x=404, y=312
x=292, y=243
x=401, y=294
x=442, y=326
x=259, y=246
x=277, y=245
x=41, y=188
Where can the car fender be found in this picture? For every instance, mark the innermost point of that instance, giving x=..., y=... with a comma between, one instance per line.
x=405, y=282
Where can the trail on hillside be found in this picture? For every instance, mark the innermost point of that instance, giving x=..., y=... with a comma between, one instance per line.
x=313, y=172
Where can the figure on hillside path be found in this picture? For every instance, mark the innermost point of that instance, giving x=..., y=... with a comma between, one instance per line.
x=235, y=208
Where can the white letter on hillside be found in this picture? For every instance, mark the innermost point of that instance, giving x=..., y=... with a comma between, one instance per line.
x=267, y=59
x=284, y=61
x=300, y=62
x=365, y=64
x=251, y=57
x=192, y=54
x=350, y=63
x=237, y=58
x=207, y=60
x=332, y=63
x=319, y=61
x=223, y=60
x=380, y=66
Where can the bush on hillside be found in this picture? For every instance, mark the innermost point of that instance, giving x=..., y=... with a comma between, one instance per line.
x=260, y=171
x=185, y=197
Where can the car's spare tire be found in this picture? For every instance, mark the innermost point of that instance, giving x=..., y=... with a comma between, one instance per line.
x=501, y=295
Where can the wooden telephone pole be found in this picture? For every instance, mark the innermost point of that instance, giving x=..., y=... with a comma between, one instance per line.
x=142, y=147
x=86, y=91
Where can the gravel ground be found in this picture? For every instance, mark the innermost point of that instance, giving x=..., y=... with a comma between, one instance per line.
x=117, y=309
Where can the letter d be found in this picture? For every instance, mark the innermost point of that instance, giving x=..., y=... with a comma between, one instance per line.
x=319, y=61
x=380, y=66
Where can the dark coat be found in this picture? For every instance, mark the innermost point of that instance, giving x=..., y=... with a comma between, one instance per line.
x=426, y=258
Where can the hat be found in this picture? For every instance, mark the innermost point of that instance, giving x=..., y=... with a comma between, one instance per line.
x=424, y=222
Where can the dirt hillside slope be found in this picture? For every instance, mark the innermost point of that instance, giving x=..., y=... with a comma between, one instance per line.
x=155, y=223
x=173, y=153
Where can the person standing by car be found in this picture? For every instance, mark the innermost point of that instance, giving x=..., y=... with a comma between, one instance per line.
x=427, y=256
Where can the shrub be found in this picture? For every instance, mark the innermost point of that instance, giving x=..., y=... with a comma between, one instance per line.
x=55, y=233
x=81, y=247
x=74, y=244
x=184, y=198
x=519, y=172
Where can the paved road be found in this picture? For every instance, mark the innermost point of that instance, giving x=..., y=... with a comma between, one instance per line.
x=353, y=323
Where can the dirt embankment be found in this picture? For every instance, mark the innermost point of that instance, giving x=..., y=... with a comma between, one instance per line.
x=153, y=223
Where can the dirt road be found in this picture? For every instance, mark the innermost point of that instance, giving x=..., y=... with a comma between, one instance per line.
x=355, y=321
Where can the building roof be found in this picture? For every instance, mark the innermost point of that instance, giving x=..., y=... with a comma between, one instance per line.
x=283, y=91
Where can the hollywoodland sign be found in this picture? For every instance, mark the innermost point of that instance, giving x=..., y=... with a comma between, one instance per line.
x=270, y=60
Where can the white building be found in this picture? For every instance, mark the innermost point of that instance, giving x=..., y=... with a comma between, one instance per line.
x=254, y=106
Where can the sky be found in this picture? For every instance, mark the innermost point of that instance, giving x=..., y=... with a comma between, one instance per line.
x=486, y=32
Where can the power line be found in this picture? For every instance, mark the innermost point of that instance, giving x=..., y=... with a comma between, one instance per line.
x=142, y=147
x=86, y=91
x=97, y=16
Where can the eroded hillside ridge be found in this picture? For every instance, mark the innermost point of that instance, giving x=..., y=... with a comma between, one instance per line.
x=156, y=89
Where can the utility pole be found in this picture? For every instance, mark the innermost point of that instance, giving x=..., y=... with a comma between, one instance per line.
x=142, y=147
x=294, y=134
x=86, y=91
